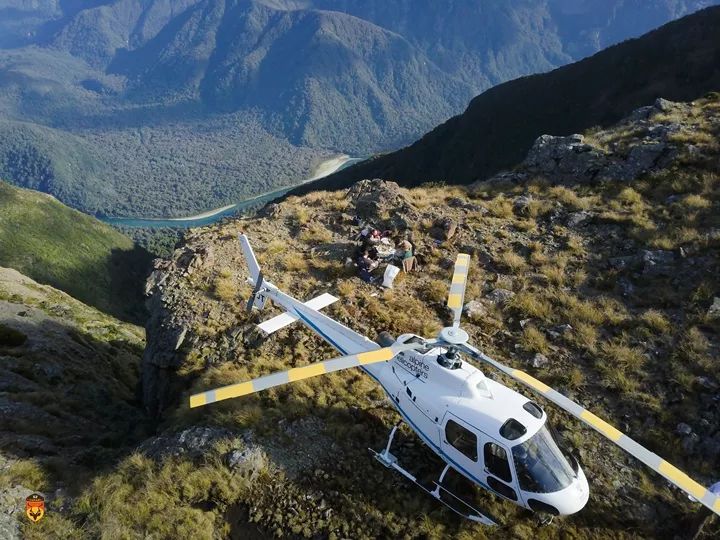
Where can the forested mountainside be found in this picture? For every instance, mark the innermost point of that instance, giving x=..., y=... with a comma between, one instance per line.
x=161, y=108
x=679, y=61
x=56, y=245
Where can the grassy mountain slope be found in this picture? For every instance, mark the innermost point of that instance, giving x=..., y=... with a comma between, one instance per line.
x=603, y=287
x=71, y=251
x=679, y=61
x=68, y=379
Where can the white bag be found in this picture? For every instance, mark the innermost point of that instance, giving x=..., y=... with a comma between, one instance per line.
x=391, y=273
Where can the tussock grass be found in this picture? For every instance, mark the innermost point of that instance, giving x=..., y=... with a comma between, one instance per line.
x=315, y=234
x=656, y=321
x=500, y=207
x=534, y=341
x=531, y=305
x=25, y=472
x=513, y=262
x=225, y=288
x=292, y=261
x=586, y=336
x=569, y=198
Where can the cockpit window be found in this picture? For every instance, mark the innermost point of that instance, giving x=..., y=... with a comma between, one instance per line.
x=533, y=408
x=512, y=429
x=540, y=464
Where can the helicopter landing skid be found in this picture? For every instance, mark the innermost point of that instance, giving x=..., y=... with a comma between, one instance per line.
x=456, y=504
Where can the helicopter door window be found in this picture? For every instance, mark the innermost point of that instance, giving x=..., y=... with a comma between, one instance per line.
x=462, y=439
x=496, y=461
x=502, y=489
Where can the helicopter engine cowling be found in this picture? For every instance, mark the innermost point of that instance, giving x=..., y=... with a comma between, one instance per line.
x=385, y=339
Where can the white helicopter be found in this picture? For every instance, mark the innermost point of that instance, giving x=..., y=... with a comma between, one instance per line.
x=489, y=433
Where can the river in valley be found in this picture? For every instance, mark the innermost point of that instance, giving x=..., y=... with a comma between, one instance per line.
x=326, y=168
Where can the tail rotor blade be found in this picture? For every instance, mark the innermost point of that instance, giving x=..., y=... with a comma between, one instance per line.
x=457, y=287
x=671, y=473
x=258, y=286
x=300, y=373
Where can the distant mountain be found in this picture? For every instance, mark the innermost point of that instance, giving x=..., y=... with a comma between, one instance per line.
x=680, y=61
x=71, y=251
x=300, y=78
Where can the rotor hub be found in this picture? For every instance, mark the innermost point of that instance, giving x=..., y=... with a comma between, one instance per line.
x=454, y=336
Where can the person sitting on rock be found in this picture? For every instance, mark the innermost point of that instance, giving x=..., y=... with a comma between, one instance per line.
x=365, y=267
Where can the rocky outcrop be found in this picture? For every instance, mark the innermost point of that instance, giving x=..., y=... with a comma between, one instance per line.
x=373, y=200
x=576, y=159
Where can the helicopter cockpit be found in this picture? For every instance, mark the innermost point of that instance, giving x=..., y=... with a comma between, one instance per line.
x=541, y=466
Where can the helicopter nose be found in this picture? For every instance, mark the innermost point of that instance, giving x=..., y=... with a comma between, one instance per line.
x=577, y=496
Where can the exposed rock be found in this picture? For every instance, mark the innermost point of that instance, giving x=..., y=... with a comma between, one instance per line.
x=658, y=262
x=521, y=205
x=475, y=310
x=500, y=296
x=622, y=263
x=271, y=210
x=556, y=332
x=443, y=229
x=12, y=510
x=565, y=157
x=193, y=442
x=372, y=199
x=713, y=311
x=707, y=383
x=683, y=429
x=539, y=360
x=575, y=219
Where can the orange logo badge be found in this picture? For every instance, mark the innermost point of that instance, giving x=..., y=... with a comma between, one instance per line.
x=35, y=507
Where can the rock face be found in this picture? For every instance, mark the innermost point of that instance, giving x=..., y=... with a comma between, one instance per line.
x=574, y=159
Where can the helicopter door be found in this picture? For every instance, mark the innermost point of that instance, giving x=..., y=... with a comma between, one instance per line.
x=460, y=444
x=497, y=470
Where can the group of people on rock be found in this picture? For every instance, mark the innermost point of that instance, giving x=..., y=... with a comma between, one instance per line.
x=376, y=246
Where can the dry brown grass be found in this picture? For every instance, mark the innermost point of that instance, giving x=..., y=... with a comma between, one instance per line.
x=531, y=305
x=500, y=207
x=656, y=320
x=513, y=262
x=292, y=261
x=586, y=336
x=225, y=288
x=569, y=198
x=315, y=234
x=534, y=341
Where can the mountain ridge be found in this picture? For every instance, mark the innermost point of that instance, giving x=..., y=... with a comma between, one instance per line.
x=302, y=80
x=500, y=125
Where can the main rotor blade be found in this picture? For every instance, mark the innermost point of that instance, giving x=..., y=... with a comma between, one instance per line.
x=299, y=373
x=457, y=287
x=671, y=473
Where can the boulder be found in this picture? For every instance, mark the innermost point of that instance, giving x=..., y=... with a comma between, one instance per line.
x=713, y=311
x=373, y=199
x=521, y=205
x=443, y=229
x=539, y=360
x=565, y=157
x=575, y=219
x=683, y=429
x=658, y=262
x=500, y=296
x=475, y=310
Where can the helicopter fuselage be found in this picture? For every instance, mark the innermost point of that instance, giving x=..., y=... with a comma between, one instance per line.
x=481, y=428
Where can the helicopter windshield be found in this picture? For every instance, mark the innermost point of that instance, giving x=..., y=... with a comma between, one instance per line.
x=541, y=465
